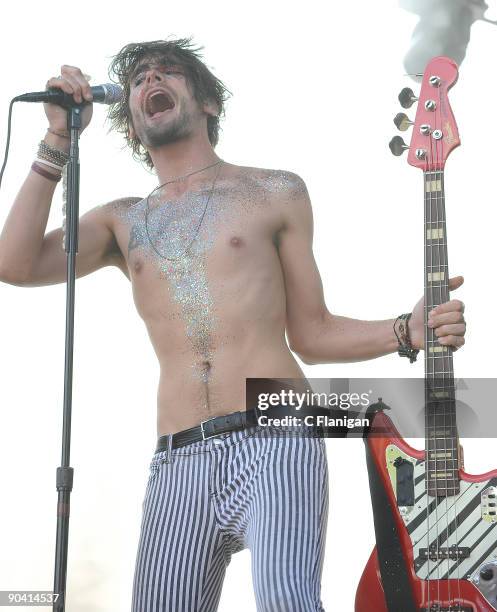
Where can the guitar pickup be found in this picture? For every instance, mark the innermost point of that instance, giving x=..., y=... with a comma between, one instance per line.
x=439, y=554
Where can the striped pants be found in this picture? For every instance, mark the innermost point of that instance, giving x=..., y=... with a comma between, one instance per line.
x=260, y=488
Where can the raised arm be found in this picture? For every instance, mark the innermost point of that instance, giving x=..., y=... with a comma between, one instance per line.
x=315, y=334
x=28, y=257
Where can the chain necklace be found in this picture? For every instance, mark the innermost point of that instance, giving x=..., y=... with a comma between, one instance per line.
x=218, y=163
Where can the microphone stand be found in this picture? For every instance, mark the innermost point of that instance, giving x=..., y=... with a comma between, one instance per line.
x=64, y=479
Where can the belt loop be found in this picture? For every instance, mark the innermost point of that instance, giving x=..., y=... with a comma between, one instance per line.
x=169, y=448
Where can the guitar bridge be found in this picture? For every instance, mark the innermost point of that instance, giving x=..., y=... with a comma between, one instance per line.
x=454, y=553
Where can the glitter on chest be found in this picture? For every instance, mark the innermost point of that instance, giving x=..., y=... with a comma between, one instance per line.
x=176, y=238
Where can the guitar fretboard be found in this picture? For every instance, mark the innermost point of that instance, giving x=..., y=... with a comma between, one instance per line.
x=441, y=444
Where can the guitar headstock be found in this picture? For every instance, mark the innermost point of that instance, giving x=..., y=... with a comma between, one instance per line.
x=435, y=132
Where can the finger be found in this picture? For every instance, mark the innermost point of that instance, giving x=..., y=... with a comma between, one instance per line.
x=59, y=83
x=451, y=306
x=80, y=85
x=455, y=316
x=456, y=329
x=455, y=282
x=454, y=341
x=85, y=86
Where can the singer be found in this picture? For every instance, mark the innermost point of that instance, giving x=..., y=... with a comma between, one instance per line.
x=220, y=261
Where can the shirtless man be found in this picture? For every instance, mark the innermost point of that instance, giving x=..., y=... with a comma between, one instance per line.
x=221, y=266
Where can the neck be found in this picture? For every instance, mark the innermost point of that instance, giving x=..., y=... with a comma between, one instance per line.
x=181, y=157
x=442, y=444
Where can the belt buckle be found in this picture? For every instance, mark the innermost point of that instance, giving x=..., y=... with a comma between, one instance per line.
x=204, y=437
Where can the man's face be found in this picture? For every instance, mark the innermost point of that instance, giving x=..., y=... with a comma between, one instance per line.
x=162, y=106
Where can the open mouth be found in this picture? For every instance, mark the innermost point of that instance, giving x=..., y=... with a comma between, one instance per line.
x=157, y=103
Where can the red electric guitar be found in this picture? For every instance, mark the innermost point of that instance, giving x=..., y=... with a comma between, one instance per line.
x=435, y=525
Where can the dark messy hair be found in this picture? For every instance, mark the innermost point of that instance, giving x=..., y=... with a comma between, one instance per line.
x=181, y=52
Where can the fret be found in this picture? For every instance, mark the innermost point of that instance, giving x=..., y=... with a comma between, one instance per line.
x=442, y=384
x=441, y=417
x=433, y=285
x=433, y=420
x=449, y=372
x=444, y=490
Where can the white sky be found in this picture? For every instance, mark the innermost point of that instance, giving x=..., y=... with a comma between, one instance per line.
x=315, y=90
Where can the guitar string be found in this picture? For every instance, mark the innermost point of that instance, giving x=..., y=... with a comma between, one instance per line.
x=427, y=442
x=427, y=205
x=438, y=407
x=443, y=269
x=427, y=445
x=448, y=367
x=431, y=289
x=453, y=413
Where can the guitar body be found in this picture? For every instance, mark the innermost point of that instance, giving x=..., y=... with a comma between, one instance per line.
x=395, y=577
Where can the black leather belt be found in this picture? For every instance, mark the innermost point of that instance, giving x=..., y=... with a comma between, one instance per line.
x=209, y=429
x=223, y=424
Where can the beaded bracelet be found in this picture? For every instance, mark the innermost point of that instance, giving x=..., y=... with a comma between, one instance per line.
x=45, y=151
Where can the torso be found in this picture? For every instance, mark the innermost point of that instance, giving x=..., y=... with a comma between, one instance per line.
x=215, y=313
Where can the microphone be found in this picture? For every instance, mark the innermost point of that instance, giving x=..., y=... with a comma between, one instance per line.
x=110, y=93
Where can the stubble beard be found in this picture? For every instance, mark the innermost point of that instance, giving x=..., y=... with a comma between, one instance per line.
x=174, y=130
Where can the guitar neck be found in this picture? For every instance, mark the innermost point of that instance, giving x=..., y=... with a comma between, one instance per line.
x=442, y=445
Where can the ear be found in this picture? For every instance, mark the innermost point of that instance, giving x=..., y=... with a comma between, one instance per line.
x=210, y=108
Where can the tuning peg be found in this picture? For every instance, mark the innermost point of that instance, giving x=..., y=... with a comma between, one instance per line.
x=407, y=97
x=397, y=145
x=402, y=122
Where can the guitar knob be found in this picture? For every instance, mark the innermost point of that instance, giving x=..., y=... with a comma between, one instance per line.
x=486, y=573
x=397, y=145
x=407, y=97
x=402, y=122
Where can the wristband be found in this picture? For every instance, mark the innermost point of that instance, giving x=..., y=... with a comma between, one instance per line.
x=35, y=167
x=403, y=338
x=58, y=134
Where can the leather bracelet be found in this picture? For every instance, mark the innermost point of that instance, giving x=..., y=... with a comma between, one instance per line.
x=405, y=345
x=58, y=134
x=45, y=173
x=46, y=162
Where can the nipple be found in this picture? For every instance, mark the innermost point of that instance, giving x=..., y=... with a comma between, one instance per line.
x=236, y=241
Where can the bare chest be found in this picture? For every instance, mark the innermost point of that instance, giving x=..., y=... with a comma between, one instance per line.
x=196, y=242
